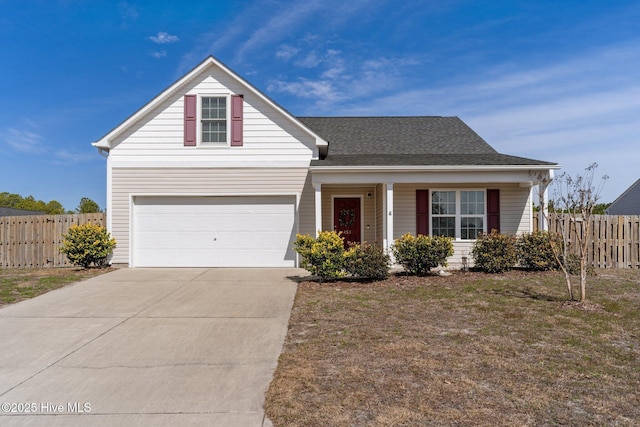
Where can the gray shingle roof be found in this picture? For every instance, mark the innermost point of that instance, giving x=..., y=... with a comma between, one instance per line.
x=395, y=141
x=628, y=203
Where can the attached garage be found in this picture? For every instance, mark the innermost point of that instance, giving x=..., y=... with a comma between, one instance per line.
x=237, y=231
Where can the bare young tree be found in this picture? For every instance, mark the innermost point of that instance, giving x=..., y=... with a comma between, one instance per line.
x=573, y=201
x=559, y=242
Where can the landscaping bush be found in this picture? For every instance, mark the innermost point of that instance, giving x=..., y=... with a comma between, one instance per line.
x=535, y=252
x=494, y=253
x=418, y=255
x=322, y=256
x=367, y=262
x=87, y=244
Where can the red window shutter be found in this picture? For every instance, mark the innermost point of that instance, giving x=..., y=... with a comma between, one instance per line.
x=422, y=212
x=190, y=117
x=237, y=104
x=493, y=210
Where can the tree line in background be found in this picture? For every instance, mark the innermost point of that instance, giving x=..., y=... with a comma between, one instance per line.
x=53, y=207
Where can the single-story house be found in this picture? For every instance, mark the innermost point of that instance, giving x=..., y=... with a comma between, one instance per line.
x=628, y=203
x=212, y=172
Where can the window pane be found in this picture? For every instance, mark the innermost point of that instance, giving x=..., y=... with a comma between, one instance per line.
x=470, y=227
x=472, y=202
x=443, y=226
x=443, y=203
x=214, y=131
x=214, y=108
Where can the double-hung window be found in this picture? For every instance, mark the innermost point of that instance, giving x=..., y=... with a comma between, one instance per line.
x=471, y=214
x=213, y=119
x=443, y=213
x=458, y=214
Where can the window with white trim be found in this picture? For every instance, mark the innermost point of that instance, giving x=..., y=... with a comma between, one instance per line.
x=443, y=213
x=213, y=120
x=458, y=213
x=471, y=214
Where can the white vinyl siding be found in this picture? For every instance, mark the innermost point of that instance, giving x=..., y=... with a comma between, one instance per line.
x=404, y=209
x=267, y=134
x=515, y=209
x=127, y=183
x=307, y=212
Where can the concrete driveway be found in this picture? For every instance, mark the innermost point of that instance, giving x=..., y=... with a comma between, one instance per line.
x=156, y=347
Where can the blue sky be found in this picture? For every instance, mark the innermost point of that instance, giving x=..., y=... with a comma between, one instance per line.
x=550, y=80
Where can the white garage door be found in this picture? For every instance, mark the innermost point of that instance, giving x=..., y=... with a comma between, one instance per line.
x=214, y=231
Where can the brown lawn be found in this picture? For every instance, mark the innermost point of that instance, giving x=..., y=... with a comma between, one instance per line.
x=468, y=349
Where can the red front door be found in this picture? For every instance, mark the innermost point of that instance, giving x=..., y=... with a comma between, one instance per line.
x=346, y=218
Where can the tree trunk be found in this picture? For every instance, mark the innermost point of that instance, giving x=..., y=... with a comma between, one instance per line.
x=583, y=279
x=567, y=279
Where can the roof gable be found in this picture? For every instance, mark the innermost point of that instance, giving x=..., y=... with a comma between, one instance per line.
x=182, y=85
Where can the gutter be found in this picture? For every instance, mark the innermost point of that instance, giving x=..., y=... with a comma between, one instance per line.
x=446, y=168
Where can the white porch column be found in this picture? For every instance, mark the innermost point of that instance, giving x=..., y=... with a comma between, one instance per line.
x=543, y=213
x=388, y=217
x=543, y=194
x=318, y=195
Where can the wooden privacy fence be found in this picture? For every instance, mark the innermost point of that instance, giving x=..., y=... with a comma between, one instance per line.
x=614, y=240
x=34, y=241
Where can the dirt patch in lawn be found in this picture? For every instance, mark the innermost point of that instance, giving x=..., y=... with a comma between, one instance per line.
x=17, y=284
x=465, y=349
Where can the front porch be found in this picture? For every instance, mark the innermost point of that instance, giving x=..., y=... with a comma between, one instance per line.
x=387, y=210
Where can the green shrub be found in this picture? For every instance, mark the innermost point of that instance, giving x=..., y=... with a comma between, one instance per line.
x=322, y=256
x=87, y=244
x=494, y=253
x=535, y=252
x=367, y=262
x=418, y=255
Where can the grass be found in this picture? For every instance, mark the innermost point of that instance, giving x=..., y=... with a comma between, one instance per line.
x=468, y=349
x=17, y=284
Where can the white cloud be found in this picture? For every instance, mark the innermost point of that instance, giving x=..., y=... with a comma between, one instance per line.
x=128, y=13
x=158, y=54
x=311, y=60
x=286, y=52
x=280, y=25
x=22, y=140
x=321, y=91
x=343, y=80
x=67, y=157
x=267, y=23
x=164, y=38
